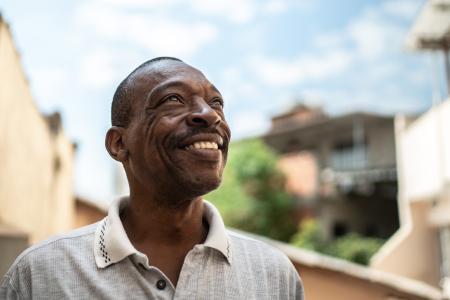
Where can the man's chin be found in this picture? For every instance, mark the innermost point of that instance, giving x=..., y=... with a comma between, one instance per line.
x=201, y=185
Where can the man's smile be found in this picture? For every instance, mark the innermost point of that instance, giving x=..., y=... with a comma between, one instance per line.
x=206, y=147
x=203, y=145
x=203, y=141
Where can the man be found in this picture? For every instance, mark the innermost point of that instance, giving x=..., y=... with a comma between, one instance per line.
x=163, y=241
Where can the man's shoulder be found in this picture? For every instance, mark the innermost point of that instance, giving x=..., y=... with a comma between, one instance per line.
x=56, y=249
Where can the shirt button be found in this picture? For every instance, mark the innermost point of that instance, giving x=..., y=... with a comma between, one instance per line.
x=161, y=284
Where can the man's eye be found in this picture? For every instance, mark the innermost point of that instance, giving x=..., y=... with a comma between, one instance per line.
x=174, y=98
x=216, y=102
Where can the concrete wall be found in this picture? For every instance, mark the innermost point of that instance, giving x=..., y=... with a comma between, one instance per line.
x=414, y=251
x=330, y=278
x=425, y=154
x=381, y=145
x=36, y=160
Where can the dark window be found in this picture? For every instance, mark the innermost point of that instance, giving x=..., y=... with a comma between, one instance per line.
x=339, y=229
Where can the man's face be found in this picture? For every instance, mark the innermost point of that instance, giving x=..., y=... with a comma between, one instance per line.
x=177, y=137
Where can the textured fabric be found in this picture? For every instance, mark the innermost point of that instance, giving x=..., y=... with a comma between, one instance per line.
x=70, y=267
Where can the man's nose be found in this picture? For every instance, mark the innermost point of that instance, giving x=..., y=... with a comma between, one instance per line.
x=202, y=115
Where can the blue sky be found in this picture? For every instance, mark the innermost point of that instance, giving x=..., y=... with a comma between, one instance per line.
x=262, y=55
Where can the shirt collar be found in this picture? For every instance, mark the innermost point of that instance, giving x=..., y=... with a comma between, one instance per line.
x=111, y=243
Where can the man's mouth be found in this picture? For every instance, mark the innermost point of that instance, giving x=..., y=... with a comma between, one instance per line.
x=203, y=142
x=203, y=145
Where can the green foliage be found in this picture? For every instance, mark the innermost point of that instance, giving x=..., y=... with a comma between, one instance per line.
x=352, y=247
x=355, y=248
x=252, y=196
x=309, y=236
x=231, y=199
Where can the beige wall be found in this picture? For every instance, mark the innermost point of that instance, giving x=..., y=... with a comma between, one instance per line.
x=413, y=252
x=327, y=278
x=324, y=284
x=36, y=163
x=301, y=173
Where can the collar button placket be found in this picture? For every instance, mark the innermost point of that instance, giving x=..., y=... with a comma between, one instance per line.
x=188, y=280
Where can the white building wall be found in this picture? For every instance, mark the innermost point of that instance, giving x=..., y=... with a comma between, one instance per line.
x=425, y=154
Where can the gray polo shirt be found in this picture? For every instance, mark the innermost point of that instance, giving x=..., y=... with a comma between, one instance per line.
x=99, y=262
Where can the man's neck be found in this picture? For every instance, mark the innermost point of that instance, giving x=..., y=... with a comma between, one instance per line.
x=148, y=221
x=164, y=233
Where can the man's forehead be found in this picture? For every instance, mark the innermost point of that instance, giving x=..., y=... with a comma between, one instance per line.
x=167, y=69
x=160, y=74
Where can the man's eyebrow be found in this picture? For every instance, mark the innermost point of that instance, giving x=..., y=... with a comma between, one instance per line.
x=165, y=85
x=173, y=83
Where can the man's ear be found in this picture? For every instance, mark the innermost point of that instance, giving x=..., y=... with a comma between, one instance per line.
x=115, y=145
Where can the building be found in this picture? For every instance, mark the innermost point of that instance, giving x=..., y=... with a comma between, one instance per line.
x=88, y=211
x=36, y=173
x=421, y=247
x=342, y=170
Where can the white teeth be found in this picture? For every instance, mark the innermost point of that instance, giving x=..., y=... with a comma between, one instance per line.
x=203, y=145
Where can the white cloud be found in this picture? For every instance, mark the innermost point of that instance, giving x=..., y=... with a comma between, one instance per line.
x=391, y=99
x=243, y=11
x=370, y=43
x=155, y=33
x=237, y=11
x=331, y=40
x=139, y=3
x=402, y=8
x=288, y=72
x=248, y=123
x=371, y=35
x=236, y=87
x=234, y=11
x=275, y=6
x=374, y=37
x=97, y=68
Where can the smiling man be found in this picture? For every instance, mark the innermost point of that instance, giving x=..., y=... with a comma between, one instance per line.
x=163, y=241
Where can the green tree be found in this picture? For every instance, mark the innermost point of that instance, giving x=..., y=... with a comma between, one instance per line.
x=252, y=196
x=309, y=236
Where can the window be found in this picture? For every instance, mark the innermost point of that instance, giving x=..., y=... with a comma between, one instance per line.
x=339, y=229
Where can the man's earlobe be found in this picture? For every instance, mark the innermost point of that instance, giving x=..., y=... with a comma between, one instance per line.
x=122, y=155
x=114, y=143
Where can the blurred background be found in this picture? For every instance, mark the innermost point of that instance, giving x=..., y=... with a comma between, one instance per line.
x=339, y=114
